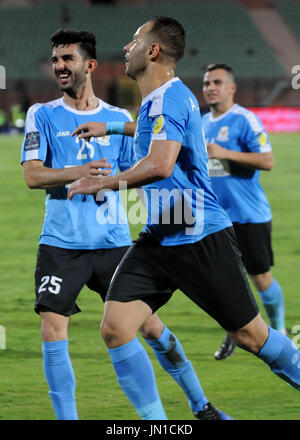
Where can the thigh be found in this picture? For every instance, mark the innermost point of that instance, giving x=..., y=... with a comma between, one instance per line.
x=210, y=272
x=60, y=274
x=255, y=244
x=141, y=275
x=104, y=265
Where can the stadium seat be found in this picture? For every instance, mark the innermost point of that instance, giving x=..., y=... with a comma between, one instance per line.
x=226, y=36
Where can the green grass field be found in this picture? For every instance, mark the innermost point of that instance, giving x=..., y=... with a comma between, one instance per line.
x=242, y=385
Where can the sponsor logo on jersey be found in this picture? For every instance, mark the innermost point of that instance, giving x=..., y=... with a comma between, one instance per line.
x=223, y=135
x=63, y=133
x=102, y=140
x=159, y=123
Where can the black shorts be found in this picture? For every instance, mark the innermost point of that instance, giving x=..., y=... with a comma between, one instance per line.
x=210, y=272
x=255, y=244
x=60, y=275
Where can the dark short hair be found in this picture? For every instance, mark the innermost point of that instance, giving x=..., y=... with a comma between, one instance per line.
x=171, y=33
x=222, y=66
x=86, y=40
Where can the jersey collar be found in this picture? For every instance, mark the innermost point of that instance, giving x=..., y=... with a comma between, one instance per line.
x=82, y=112
x=163, y=87
x=218, y=118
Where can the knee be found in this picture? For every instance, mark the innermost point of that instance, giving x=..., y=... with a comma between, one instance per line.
x=262, y=281
x=110, y=333
x=152, y=328
x=51, y=332
x=247, y=340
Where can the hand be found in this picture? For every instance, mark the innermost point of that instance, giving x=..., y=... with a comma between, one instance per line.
x=215, y=151
x=90, y=129
x=95, y=168
x=85, y=185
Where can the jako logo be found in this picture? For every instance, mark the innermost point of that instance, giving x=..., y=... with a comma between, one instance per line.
x=2, y=78
x=63, y=133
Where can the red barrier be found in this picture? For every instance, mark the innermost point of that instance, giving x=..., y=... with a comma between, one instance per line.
x=279, y=119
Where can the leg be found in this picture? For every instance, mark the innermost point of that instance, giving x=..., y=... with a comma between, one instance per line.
x=274, y=348
x=172, y=358
x=272, y=298
x=57, y=365
x=119, y=326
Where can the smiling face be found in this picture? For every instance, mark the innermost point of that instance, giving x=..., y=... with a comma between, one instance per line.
x=218, y=88
x=69, y=68
x=136, y=50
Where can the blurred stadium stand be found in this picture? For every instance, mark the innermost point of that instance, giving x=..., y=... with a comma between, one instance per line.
x=217, y=31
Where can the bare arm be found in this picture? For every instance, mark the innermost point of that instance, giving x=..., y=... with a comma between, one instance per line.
x=157, y=165
x=95, y=129
x=257, y=161
x=37, y=176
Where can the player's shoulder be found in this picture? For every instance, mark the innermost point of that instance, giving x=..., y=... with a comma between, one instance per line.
x=42, y=106
x=168, y=96
x=248, y=117
x=117, y=113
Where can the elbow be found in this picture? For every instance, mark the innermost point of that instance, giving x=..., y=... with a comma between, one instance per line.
x=163, y=171
x=31, y=183
x=269, y=165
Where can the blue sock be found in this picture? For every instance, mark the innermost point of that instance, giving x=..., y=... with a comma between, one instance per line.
x=282, y=356
x=272, y=299
x=60, y=377
x=172, y=358
x=136, y=377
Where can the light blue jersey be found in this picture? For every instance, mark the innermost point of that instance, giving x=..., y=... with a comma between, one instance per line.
x=82, y=223
x=237, y=187
x=181, y=208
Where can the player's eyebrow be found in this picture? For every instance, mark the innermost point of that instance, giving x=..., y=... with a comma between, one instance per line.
x=64, y=57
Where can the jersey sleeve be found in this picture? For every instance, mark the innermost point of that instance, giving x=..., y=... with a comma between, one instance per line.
x=168, y=119
x=34, y=145
x=254, y=135
x=127, y=154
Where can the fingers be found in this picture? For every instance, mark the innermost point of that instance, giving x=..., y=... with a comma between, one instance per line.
x=100, y=172
x=101, y=163
x=73, y=189
x=80, y=128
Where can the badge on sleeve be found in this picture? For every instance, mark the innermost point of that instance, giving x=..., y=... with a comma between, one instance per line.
x=159, y=124
x=262, y=139
x=32, y=141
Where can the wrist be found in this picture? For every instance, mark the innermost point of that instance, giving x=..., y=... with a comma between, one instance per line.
x=115, y=127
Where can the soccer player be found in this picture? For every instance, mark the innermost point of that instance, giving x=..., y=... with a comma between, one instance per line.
x=239, y=147
x=77, y=247
x=188, y=242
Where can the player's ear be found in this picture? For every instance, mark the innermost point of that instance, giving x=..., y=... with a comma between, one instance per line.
x=154, y=51
x=234, y=88
x=91, y=65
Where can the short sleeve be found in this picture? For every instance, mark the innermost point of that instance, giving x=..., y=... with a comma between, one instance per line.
x=34, y=145
x=254, y=135
x=168, y=119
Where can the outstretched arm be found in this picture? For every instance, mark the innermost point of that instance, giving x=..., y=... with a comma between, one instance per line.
x=37, y=176
x=95, y=129
x=157, y=165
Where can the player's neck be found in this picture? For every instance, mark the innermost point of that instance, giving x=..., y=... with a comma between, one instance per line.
x=154, y=78
x=220, y=109
x=85, y=100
